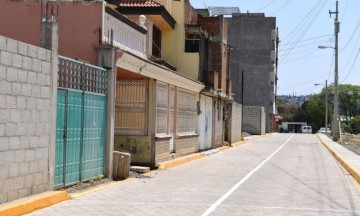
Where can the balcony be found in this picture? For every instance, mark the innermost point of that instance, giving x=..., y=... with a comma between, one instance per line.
x=120, y=32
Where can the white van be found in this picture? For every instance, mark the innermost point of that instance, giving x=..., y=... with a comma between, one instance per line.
x=306, y=129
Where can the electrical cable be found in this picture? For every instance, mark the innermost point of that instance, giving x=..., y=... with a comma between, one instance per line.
x=316, y=14
x=304, y=83
x=307, y=39
x=266, y=6
x=301, y=22
x=331, y=65
x=357, y=27
x=272, y=14
x=352, y=66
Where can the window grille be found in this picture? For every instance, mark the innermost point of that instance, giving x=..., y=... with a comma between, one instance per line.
x=162, y=108
x=79, y=75
x=172, y=109
x=131, y=107
x=187, y=112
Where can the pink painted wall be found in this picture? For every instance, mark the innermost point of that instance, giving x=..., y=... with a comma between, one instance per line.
x=79, y=25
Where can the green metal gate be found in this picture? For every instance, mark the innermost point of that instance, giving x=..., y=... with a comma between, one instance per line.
x=81, y=122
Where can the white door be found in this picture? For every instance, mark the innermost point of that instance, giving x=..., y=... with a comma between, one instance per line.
x=205, y=126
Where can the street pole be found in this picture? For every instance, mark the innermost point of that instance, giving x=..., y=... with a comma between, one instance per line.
x=326, y=107
x=336, y=129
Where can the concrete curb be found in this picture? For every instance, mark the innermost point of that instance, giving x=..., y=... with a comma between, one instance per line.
x=181, y=160
x=238, y=144
x=32, y=203
x=188, y=158
x=355, y=173
x=29, y=204
x=195, y=156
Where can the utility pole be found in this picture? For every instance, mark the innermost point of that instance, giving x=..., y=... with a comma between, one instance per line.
x=326, y=107
x=335, y=125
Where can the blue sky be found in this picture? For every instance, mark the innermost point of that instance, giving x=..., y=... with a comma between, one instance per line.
x=303, y=25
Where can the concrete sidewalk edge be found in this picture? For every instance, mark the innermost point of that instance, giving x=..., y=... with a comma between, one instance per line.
x=32, y=203
x=355, y=173
x=29, y=204
x=180, y=160
x=188, y=158
x=195, y=156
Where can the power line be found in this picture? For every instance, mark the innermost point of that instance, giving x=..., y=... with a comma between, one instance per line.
x=302, y=21
x=352, y=53
x=266, y=6
x=352, y=66
x=281, y=7
x=332, y=61
x=301, y=58
x=304, y=83
x=316, y=11
x=347, y=3
x=357, y=27
x=306, y=39
x=306, y=45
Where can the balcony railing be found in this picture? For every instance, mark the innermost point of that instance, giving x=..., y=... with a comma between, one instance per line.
x=123, y=36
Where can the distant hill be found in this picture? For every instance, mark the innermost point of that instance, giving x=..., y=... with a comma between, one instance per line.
x=295, y=101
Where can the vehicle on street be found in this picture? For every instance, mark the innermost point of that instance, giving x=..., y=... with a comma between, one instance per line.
x=306, y=129
x=324, y=130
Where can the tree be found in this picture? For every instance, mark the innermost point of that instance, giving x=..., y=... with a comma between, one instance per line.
x=313, y=111
x=355, y=125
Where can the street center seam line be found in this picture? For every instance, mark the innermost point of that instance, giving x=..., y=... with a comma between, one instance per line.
x=237, y=185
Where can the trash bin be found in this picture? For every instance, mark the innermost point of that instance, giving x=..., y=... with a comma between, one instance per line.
x=121, y=165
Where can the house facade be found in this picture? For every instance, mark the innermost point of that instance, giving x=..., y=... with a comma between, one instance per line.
x=197, y=47
x=156, y=106
x=154, y=83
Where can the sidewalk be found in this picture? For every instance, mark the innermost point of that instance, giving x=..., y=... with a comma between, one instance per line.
x=35, y=202
x=348, y=159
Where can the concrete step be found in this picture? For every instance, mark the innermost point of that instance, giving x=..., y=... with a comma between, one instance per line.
x=140, y=169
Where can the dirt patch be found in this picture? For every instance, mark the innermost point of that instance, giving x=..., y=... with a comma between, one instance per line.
x=352, y=143
x=82, y=186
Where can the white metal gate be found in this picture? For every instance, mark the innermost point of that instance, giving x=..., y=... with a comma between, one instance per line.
x=205, y=137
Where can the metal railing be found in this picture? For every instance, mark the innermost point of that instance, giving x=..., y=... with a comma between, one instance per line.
x=74, y=74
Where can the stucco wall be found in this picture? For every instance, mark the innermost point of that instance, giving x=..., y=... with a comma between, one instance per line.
x=79, y=25
x=25, y=119
x=218, y=123
x=174, y=49
x=138, y=146
x=233, y=124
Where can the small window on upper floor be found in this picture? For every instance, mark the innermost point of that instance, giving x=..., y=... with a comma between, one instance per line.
x=156, y=44
x=192, y=43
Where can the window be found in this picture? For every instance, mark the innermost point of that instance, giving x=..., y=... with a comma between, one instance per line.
x=131, y=107
x=162, y=108
x=187, y=113
x=187, y=118
x=156, y=44
x=192, y=43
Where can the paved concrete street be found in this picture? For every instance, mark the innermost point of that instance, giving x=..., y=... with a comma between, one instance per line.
x=283, y=174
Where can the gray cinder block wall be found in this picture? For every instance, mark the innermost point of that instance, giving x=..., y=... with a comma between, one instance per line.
x=254, y=120
x=26, y=115
x=253, y=37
